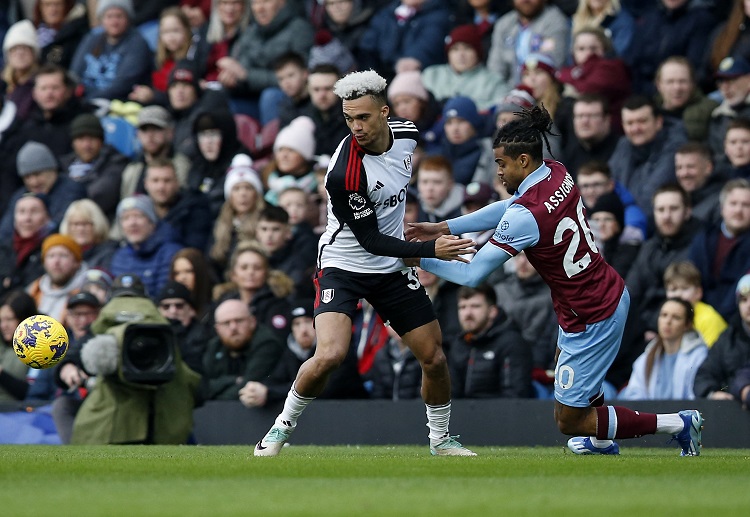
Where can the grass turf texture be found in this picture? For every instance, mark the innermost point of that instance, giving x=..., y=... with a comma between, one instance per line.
x=367, y=481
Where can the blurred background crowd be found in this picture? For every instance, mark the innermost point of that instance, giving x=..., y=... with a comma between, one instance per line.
x=174, y=153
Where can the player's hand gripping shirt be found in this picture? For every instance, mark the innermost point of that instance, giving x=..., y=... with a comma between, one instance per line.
x=366, y=205
x=546, y=219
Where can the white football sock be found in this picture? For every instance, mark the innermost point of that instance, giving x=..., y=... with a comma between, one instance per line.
x=438, y=418
x=294, y=405
x=669, y=423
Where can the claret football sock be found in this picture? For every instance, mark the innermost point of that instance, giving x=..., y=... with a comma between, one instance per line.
x=620, y=422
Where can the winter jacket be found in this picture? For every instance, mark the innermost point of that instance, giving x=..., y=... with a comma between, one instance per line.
x=259, y=45
x=576, y=153
x=548, y=33
x=493, y=364
x=62, y=48
x=642, y=179
x=717, y=126
x=110, y=71
x=473, y=160
x=344, y=382
x=189, y=219
x=690, y=356
x=102, y=180
x=13, y=385
x=421, y=37
x=719, y=291
x=19, y=275
x=730, y=353
x=696, y=114
x=63, y=192
x=705, y=201
x=395, y=374
x=350, y=32
x=150, y=261
x=297, y=259
x=226, y=375
x=54, y=131
x=330, y=127
x=448, y=209
x=117, y=411
x=485, y=87
x=663, y=33
x=645, y=280
x=132, y=175
x=53, y=301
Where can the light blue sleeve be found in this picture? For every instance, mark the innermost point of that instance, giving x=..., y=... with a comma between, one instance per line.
x=482, y=220
x=516, y=231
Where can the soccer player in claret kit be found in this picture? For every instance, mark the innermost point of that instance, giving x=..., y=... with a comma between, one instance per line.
x=360, y=255
x=545, y=218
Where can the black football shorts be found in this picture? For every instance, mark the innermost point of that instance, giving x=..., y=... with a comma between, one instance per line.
x=397, y=297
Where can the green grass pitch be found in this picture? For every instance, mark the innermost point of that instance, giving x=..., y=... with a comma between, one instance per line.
x=159, y=481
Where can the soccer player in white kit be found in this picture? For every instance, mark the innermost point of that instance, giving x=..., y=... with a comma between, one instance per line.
x=360, y=255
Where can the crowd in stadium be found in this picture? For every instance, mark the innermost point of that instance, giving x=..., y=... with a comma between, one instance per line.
x=176, y=152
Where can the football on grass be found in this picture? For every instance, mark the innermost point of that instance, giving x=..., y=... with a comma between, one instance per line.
x=40, y=341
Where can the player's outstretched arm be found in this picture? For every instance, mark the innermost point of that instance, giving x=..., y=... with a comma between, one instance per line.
x=473, y=273
x=426, y=231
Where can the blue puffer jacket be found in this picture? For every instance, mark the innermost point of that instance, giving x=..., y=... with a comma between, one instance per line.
x=150, y=261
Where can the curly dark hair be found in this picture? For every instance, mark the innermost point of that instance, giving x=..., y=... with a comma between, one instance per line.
x=527, y=134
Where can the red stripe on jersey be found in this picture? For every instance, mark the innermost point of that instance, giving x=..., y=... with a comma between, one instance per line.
x=353, y=168
x=508, y=249
x=316, y=284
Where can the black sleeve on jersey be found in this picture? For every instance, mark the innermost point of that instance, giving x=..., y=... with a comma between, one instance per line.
x=364, y=226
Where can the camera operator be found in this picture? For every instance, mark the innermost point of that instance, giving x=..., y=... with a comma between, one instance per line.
x=176, y=304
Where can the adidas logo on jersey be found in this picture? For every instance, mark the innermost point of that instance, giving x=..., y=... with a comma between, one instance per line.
x=378, y=186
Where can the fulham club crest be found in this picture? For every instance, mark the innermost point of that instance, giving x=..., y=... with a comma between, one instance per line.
x=326, y=295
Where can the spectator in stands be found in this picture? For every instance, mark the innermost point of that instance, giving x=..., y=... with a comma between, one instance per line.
x=325, y=109
x=174, y=44
x=733, y=80
x=244, y=350
x=15, y=307
x=440, y=198
x=532, y=26
x=465, y=72
x=644, y=157
x=611, y=17
x=443, y=295
x=669, y=28
x=238, y=217
x=680, y=98
x=53, y=110
x=405, y=35
x=300, y=207
x=666, y=370
x=264, y=290
x=186, y=102
x=145, y=252
x=489, y=359
x=274, y=234
x=729, y=38
x=695, y=173
x=64, y=274
x=594, y=180
x=21, y=253
x=99, y=283
x=197, y=11
x=482, y=14
x=87, y=225
x=176, y=304
x=737, y=149
x=409, y=99
x=347, y=21
x=595, y=71
x=60, y=27
x=217, y=38
x=190, y=268
x=395, y=373
x=21, y=52
x=508, y=109
x=722, y=252
x=683, y=280
x=463, y=143
x=95, y=165
x=345, y=382
x=525, y=297
x=155, y=135
x=247, y=74
x=291, y=75
x=592, y=137
x=731, y=351
x=538, y=72
x=607, y=219
x=110, y=62
x=293, y=159
x=82, y=310
x=39, y=170
x=182, y=212
x=216, y=135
